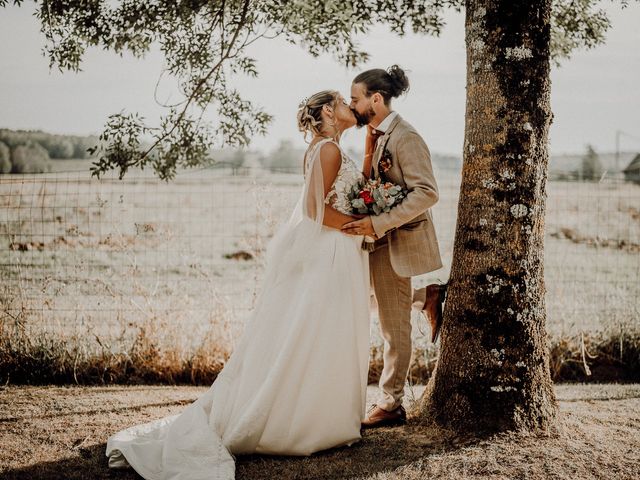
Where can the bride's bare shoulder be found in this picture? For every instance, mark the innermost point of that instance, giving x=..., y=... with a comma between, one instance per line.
x=330, y=155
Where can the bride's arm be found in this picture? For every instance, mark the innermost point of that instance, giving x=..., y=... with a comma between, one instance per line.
x=335, y=219
x=331, y=160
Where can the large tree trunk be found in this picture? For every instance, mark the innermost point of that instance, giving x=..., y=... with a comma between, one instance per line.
x=493, y=370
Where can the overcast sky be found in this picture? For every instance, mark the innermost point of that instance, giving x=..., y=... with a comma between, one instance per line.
x=593, y=94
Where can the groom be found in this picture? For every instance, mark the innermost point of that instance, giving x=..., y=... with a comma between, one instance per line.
x=406, y=243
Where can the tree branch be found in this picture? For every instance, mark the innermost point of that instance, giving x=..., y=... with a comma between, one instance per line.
x=200, y=83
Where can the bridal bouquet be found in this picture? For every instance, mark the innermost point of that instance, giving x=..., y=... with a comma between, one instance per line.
x=373, y=197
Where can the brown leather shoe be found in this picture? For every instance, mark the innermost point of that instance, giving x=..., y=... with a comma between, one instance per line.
x=377, y=417
x=432, y=309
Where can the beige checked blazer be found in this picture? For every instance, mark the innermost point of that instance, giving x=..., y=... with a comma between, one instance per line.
x=413, y=246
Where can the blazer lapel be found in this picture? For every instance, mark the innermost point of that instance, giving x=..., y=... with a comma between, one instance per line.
x=382, y=144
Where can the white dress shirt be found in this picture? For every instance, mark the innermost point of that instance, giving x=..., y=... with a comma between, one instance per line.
x=386, y=123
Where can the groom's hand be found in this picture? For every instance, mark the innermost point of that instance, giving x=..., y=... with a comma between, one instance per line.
x=360, y=227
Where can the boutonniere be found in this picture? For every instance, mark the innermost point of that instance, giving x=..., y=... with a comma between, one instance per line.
x=386, y=161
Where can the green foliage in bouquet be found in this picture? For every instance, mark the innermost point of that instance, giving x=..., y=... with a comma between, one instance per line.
x=374, y=197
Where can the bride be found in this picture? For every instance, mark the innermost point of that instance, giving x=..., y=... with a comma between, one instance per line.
x=296, y=381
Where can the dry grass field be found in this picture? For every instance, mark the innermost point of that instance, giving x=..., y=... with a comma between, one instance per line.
x=141, y=270
x=61, y=433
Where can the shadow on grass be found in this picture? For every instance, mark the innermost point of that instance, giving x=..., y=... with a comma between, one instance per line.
x=98, y=411
x=381, y=450
x=88, y=463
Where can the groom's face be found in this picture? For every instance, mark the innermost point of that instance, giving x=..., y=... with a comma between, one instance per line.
x=361, y=104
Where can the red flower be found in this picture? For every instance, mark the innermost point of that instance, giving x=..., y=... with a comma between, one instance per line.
x=366, y=196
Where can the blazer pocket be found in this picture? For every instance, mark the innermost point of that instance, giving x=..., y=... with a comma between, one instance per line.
x=413, y=234
x=414, y=225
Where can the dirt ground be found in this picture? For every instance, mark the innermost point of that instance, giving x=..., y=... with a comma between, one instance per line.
x=61, y=433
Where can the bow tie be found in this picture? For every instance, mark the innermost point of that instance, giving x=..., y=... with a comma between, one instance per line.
x=376, y=133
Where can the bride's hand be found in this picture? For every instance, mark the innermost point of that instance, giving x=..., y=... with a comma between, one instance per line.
x=360, y=227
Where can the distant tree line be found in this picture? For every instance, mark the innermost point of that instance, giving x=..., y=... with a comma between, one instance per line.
x=590, y=168
x=31, y=151
x=285, y=158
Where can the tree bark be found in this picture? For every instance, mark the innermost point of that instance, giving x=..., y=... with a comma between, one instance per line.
x=493, y=370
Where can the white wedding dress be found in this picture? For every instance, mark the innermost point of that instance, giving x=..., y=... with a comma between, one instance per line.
x=296, y=381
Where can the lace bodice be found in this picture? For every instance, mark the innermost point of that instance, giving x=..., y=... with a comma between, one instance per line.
x=348, y=175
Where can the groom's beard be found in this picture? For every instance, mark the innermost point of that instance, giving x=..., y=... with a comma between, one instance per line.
x=363, y=119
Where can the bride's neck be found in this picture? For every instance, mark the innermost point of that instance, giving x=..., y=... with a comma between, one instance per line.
x=318, y=138
x=335, y=135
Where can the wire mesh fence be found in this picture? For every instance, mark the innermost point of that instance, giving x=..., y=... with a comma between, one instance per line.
x=78, y=254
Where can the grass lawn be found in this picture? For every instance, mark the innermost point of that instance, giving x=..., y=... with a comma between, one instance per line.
x=61, y=432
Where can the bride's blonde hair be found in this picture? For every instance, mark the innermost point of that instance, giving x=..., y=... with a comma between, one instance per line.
x=309, y=111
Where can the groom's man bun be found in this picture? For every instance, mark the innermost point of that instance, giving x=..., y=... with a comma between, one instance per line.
x=390, y=83
x=399, y=80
